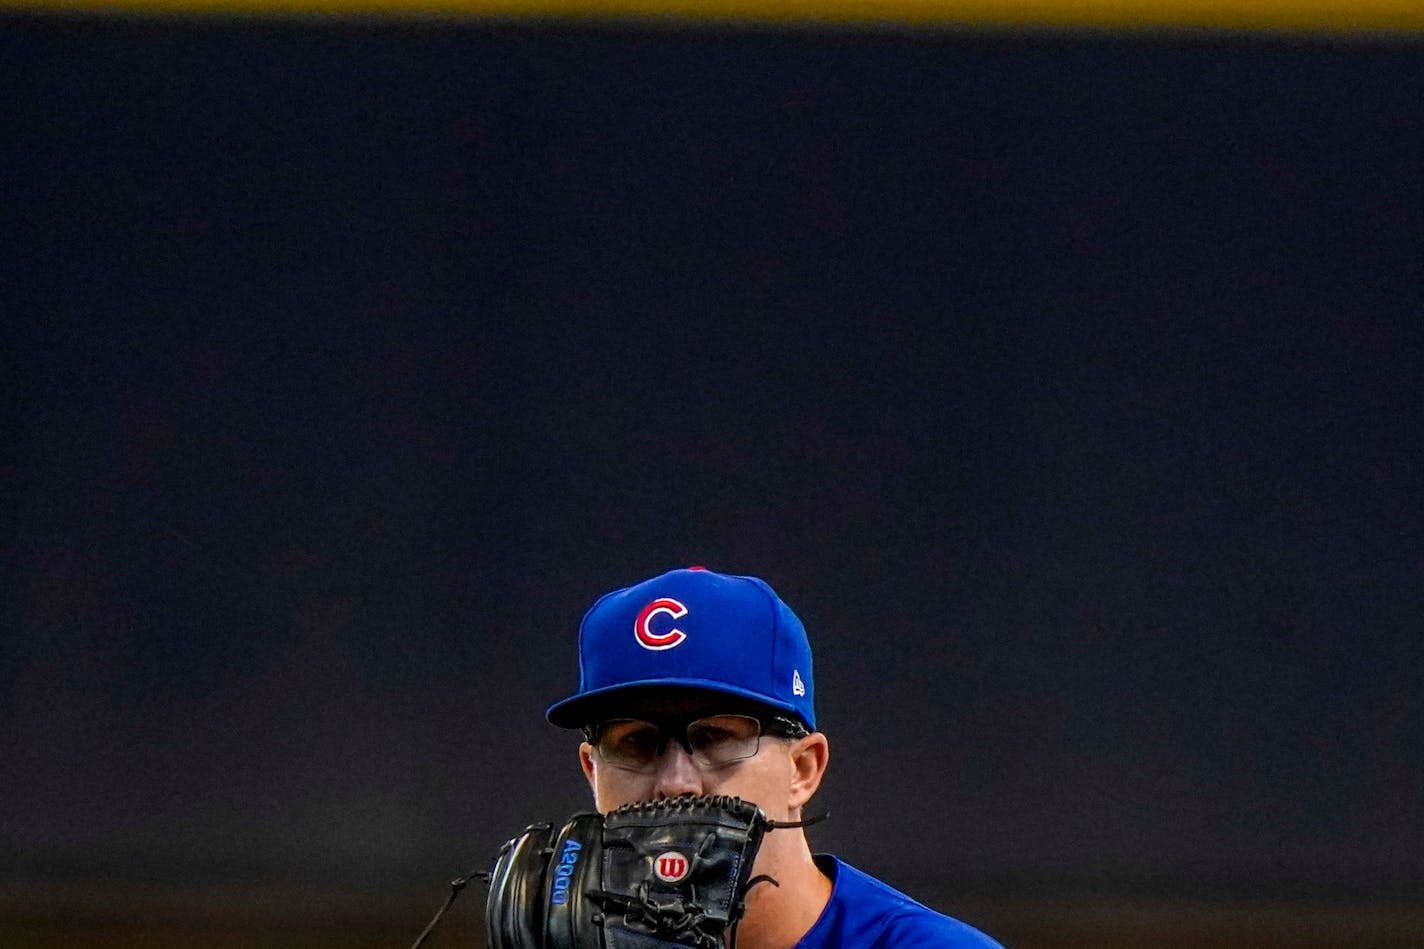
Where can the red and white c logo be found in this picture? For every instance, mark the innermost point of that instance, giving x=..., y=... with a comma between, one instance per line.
x=643, y=625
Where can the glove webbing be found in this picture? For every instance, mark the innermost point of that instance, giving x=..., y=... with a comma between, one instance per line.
x=673, y=921
x=676, y=921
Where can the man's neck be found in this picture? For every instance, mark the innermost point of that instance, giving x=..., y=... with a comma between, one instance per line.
x=779, y=915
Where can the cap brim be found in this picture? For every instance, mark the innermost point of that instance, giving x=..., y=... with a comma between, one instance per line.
x=576, y=710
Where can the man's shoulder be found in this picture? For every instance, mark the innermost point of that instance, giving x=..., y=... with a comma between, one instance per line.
x=865, y=911
x=922, y=928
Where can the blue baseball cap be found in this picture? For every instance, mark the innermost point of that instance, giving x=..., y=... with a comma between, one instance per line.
x=697, y=629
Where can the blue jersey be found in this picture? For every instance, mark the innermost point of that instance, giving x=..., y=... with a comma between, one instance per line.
x=864, y=913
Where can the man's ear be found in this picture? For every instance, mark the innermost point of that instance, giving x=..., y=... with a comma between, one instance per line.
x=809, y=758
x=586, y=762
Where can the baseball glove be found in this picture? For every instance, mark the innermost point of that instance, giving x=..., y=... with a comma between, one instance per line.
x=646, y=876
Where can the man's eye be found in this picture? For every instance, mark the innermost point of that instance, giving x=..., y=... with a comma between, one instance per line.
x=710, y=736
x=643, y=738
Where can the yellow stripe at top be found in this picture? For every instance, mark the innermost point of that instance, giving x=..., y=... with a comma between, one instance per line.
x=1333, y=16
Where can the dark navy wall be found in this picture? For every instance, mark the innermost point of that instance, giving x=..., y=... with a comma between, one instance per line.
x=1067, y=385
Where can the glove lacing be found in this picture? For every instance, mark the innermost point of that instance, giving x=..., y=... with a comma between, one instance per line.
x=687, y=925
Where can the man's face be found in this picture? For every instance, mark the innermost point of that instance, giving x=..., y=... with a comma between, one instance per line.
x=769, y=778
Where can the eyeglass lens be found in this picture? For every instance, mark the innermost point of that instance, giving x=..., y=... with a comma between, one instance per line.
x=712, y=742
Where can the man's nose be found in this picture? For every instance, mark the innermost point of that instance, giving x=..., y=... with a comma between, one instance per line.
x=676, y=774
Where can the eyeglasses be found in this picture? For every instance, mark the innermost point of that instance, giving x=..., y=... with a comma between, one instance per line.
x=633, y=744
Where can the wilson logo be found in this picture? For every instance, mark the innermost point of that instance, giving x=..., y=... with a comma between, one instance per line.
x=671, y=867
x=643, y=625
x=564, y=872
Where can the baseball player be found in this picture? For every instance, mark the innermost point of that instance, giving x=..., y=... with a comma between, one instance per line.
x=700, y=683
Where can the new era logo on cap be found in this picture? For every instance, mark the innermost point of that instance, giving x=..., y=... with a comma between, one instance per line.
x=693, y=628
